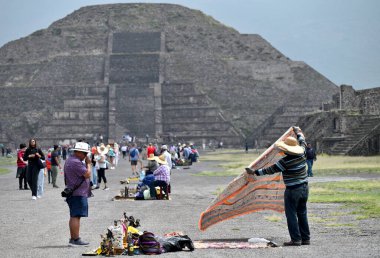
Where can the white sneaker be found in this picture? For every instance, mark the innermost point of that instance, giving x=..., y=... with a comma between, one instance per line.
x=34, y=198
x=39, y=196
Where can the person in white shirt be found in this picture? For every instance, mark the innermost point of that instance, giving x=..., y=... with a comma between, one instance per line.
x=168, y=156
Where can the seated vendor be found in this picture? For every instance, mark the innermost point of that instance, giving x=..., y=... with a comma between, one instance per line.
x=161, y=176
x=152, y=164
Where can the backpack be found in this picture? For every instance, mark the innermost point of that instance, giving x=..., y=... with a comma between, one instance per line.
x=148, y=244
x=133, y=153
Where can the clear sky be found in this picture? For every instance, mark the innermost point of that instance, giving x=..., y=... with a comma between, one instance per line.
x=339, y=38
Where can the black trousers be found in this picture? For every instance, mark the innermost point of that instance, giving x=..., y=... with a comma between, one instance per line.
x=23, y=177
x=102, y=174
x=32, y=176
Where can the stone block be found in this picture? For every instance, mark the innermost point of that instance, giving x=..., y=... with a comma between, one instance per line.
x=134, y=68
x=136, y=42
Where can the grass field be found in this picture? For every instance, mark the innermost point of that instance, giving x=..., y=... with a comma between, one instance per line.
x=5, y=162
x=362, y=196
x=233, y=162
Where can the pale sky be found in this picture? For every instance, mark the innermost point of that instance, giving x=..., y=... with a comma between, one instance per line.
x=338, y=38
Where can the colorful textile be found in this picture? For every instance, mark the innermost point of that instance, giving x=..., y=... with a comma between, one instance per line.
x=228, y=245
x=249, y=193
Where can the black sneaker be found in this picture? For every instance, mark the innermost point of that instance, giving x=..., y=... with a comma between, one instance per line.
x=305, y=242
x=292, y=243
x=78, y=242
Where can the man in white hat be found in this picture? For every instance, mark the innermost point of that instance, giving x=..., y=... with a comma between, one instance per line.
x=77, y=177
x=168, y=156
x=293, y=168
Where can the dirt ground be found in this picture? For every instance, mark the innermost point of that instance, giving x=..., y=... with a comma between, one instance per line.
x=40, y=228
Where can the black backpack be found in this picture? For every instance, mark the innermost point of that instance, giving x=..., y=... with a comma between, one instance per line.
x=148, y=244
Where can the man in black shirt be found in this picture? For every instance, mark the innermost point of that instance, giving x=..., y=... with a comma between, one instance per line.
x=55, y=164
x=310, y=158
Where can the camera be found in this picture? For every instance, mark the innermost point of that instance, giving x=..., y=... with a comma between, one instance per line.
x=67, y=192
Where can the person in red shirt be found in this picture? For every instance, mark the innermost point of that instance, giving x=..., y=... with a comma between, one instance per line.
x=21, y=167
x=48, y=166
x=150, y=150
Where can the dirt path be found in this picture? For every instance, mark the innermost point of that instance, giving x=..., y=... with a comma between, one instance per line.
x=39, y=228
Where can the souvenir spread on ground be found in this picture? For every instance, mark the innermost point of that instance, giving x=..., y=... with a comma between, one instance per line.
x=125, y=238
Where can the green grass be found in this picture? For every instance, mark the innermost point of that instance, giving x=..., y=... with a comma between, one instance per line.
x=7, y=161
x=362, y=196
x=233, y=162
x=339, y=225
x=273, y=218
x=343, y=165
x=4, y=162
x=4, y=171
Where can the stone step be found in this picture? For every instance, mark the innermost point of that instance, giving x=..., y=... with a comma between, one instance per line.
x=186, y=100
x=202, y=119
x=217, y=126
x=205, y=134
x=75, y=128
x=75, y=122
x=85, y=103
x=79, y=115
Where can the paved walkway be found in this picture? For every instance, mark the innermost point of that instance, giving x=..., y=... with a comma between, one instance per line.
x=40, y=228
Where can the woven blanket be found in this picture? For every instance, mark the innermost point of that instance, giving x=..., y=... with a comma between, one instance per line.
x=249, y=193
x=228, y=245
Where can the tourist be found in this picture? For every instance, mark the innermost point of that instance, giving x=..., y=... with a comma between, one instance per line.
x=21, y=167
x=293, y=168
x=311, y=156
x=124, y=151
x=168, y=156
x=111, y=155
x=102, y=164
x=33, y=155
x=77, y=177
x=194, y=153
x=186, y=152
x=94, y=171
x=64, y=152
x=48, y=166
x=134, y=158
x=41, y=180
x=55, y=165
x=150, y=150
x=2, y=151
x=161, y=176
x=117, y=152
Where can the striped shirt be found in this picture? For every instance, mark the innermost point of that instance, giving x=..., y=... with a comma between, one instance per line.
x=293, y=167
x=162, y=173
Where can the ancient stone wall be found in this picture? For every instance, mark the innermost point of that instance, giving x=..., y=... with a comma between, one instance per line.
x=348, y=125
x=101, y=62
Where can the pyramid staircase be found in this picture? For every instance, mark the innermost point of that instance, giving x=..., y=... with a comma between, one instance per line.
x=279, y=122
x=356, y=136
x=84, y=116
x=181, y=103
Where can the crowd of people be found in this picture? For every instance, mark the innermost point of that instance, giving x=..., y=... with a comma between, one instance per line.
x=84, y=169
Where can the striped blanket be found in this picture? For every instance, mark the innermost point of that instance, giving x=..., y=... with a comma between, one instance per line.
x=249, y=193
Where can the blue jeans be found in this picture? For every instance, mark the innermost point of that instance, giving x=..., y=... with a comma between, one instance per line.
x=94, y=179
x=40, y=183
x=309, y=163
x=296, y=213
